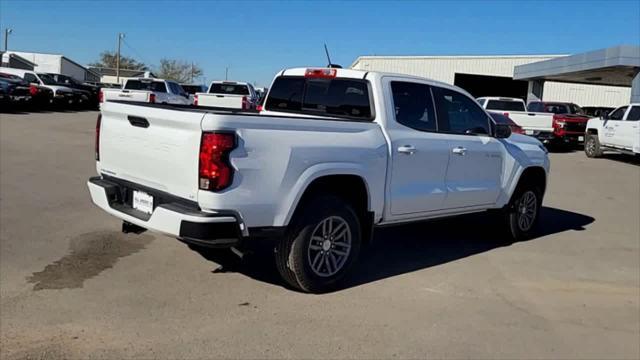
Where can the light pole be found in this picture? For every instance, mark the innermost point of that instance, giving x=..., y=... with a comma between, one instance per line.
x=120, y=37
x=7, y=31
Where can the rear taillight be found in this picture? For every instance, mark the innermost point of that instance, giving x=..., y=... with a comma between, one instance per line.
x=195, y=100
x=101, y=96
x=152, y=98
x=33, y=90
x=245, y=103
x=215, y=171
x=506, y=114
x=259, y=108
x=98, y=123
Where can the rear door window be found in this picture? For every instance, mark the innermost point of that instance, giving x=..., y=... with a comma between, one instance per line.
x=413, y=105
x=507, y=105
x=347, y=98
x=155, y=86
x=229, y=88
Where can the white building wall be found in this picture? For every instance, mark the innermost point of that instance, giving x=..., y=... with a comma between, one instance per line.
x=444, y=68
x=586, y=95
x=71, y=69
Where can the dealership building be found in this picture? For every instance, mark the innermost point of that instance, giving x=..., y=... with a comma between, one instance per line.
x=494, y=75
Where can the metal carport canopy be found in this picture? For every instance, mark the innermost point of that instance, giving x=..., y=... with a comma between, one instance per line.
x=617, y=66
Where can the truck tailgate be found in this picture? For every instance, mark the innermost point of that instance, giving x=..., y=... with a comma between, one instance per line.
x=126, y=95
x=154, y=147
x=220, y=100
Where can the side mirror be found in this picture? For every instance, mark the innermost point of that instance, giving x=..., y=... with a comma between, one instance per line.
x=502, y=131
x=604, y=116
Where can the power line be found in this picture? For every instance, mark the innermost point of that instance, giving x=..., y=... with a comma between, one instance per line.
x=136, y=52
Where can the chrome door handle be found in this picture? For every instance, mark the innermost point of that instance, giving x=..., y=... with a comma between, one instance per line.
x=459, y=150
x=406, y=149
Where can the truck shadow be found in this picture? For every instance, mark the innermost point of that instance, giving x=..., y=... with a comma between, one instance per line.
x=403, y=249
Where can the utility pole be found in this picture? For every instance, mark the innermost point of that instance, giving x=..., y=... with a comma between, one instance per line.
x=192, y=72
x=120, y=37
x=226, y=73
x=7, y=31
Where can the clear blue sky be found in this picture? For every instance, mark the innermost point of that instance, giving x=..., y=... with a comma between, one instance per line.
x=259, y=38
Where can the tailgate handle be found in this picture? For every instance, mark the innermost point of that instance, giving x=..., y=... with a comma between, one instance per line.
x=219, y=95
x=138, y=121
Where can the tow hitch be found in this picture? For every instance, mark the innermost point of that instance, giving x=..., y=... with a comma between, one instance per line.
x=128, y=227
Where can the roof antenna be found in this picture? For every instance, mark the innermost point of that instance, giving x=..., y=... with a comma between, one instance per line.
x=335, y=66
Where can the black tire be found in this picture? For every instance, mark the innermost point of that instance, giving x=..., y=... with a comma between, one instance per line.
x=519, y=208
x=592, y=146
x=293, y=253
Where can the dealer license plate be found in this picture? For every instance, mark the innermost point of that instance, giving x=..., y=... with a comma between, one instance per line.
x=142, y=202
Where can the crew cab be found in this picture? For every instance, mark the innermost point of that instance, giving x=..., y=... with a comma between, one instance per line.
x=617, y=131
x=334, y=154
x=569, y=121
x=149, y=90
x=62, y=95
x=228, y=95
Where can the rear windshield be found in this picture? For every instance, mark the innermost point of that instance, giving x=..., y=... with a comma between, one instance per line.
x=348, y=98
x=555, y=108
x=505, y=105
x=231, y=89
x=155, y=86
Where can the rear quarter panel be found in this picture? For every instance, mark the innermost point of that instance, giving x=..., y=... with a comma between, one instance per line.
x=278, y=157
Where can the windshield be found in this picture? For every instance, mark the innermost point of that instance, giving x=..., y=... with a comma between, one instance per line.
x=48, y=79
x=10, y=76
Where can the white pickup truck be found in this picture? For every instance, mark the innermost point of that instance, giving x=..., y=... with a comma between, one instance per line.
x=618, y=131
x=228, y=95
x=149, y=90
x=556, y=123
x=334, y=154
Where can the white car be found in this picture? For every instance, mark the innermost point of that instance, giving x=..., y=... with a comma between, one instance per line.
x=149, y=90
x=334, y=154
x=228, y=95
x=618, y=131
x=62, y=95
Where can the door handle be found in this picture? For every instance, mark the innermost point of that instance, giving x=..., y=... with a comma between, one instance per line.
x=406, y=149
x=459, y=150
x=138, y=121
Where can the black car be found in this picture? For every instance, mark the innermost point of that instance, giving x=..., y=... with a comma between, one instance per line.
x=87, y=94
x=40, y=96
x=14, y=92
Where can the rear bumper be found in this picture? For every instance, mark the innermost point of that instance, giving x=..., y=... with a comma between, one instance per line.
x=549, y=136
x=171, y=216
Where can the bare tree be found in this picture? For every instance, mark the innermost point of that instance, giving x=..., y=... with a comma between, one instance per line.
x=108, y=60
x=178, y=70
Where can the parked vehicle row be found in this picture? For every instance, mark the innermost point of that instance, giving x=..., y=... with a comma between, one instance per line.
x=24, y=87
x=334, y=154
x=149, y=90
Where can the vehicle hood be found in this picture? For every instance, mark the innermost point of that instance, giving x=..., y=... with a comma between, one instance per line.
x=59, y=89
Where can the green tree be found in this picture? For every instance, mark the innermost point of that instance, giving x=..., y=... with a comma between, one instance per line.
x=178, y=70
x=108, y=59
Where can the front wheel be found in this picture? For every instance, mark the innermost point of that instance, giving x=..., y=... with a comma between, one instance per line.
x=321, y=246
x=524, y=211
x=592, y=146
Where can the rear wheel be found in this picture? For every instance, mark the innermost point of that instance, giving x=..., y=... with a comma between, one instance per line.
x=321, y=247
x=592, y=146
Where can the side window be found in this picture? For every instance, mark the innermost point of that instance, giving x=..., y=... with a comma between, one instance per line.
x=634, y=114
x=30, y=78
x=459, y=114
x=618, y=113
x=413, y=105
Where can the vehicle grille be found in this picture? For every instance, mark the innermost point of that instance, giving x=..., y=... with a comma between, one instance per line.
x=576, y=126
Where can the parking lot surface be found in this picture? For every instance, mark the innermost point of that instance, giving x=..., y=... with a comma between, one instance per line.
x=73, y=286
